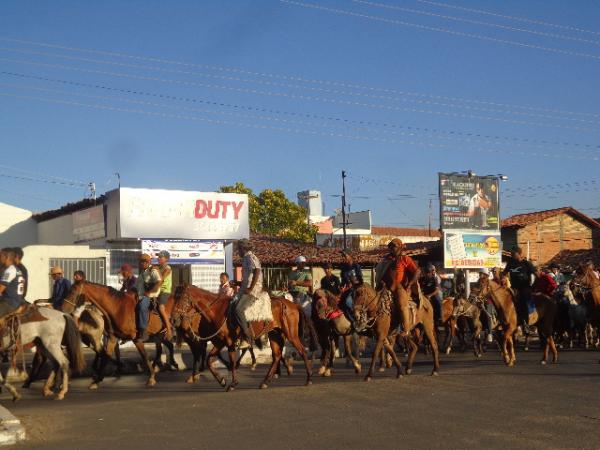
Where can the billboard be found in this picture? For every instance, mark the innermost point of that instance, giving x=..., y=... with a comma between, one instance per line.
x=169, y=214
x=88, y=224
x=186, y=252
x=469, y=203
x=472, y=250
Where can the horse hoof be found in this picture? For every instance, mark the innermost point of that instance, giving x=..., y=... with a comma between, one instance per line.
x=151, y=383
x=253, y=367
x=308, y=383
x=93, y=387
x=190, y=380
x=368, y=378
x=543, y=363
x=222, y=382
x=357, y=369
x=435, y=373
x=479, y=355
x=448, y=350
x=399, y=376
x=526, y=349
x=59, y=397
x=555, y=361
x=263, y=386
x=16, y=398
x=47, y=393
x=511, y=364
x=322, y=370
x=381, y=369
x=408, y=371
x=327, y=373
x=276, y=376
x=230, y=388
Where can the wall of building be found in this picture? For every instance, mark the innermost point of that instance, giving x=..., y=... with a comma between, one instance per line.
x=17, y=228
x=57, y=231
x=37, y=260
x=545, y=239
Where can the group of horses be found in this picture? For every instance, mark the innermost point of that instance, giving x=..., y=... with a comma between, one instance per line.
x=100, y=317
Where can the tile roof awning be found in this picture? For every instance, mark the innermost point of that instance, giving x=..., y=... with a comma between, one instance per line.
x=521, y=220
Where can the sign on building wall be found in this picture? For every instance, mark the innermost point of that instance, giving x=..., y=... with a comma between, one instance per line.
x=186, y=252
x=182, y=214
x=472, y=250
x=88, y=224
x=469, y=202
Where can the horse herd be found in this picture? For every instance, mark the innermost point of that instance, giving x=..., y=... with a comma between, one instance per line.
x=100, y=317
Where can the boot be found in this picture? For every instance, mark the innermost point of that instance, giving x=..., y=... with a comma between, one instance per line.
x=142, y=335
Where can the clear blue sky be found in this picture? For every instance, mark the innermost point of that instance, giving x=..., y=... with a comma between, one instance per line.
x=285, y=95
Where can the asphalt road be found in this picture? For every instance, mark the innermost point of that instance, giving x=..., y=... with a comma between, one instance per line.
x=472, y=404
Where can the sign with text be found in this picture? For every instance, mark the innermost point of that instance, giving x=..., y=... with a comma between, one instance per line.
x=186, y=252
x=183, y=214
x=472, y=250
x=469, y=203
x=88, y=224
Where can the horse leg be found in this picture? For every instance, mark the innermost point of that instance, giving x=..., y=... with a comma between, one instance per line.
x=216, y=350
x=553, y=349
x=276, y=342
x=293, y=337
x=232, y=356
x=171, y=358
x=353, y=359
x=105, y=356
x=202, y=354
x=194, y=348
x=15, y=395
x=36, y=367
x=545, y=349
x=376, y=353
x=382, y=359
x=142, y=351
x=413, y=348
x=156, y=362
x=253, y=357
x=390, y=349
x=61, y=362
x=428, y=328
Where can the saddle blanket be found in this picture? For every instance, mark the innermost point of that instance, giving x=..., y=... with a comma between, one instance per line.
x=255, y=309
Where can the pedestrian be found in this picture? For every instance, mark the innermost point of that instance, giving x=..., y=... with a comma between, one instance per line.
x=521, y=273
x=166, y=288
x=148, y=287
x=78, y=276
x=331, y=282
x=19, y=254
x=225, y=288
x=60, y=288
x=300, y=281
x=129, y=280
x=12, y=283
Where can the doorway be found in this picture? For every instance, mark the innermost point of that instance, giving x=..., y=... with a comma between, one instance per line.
x=182, y=274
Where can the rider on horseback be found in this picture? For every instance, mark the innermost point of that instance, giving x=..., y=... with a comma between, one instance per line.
x=148, y=287
x=351, y=274
x=404, y=281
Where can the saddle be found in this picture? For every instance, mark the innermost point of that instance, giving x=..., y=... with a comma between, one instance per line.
x=10, y=324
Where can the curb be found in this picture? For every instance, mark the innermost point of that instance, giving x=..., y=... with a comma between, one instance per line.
x=11, y=430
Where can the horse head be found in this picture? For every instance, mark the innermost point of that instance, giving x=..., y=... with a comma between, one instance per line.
x=365, y=305
x=76, y=297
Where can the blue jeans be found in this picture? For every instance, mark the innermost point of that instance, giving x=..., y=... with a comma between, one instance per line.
x=142, y=313
x=348, y=307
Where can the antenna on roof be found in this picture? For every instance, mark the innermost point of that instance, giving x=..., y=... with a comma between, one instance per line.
x=92, y=187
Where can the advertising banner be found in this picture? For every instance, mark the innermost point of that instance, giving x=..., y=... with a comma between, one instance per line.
x=472, y=250
x=186, y=252
x=169, y=214
x=469, y=203
x=88, y=224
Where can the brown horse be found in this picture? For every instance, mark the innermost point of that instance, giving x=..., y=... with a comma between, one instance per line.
x=587, y=287
x=330, y=324
x=376, y=311
x=119, y=311
x=288, y=323
x=503, y=299
x=467, y=317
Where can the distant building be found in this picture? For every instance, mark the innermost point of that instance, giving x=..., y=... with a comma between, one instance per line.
x=544, y=234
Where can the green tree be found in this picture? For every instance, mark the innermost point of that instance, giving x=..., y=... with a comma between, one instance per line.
x=273, y=214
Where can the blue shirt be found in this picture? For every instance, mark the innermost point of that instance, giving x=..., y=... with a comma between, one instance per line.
x=60, y=290
x=14, y=283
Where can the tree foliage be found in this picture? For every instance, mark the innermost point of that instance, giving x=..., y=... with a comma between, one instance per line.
x=273, y=214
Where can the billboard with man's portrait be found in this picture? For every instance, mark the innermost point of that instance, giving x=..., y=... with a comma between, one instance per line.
x=469, y=203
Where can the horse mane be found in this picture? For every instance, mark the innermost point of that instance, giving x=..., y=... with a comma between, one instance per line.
x=111, y=290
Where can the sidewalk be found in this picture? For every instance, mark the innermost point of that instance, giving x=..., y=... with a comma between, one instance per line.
x=11, y=430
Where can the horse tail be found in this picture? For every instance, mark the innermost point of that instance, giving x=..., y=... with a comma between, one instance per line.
x=72, y=341
x=305, y=322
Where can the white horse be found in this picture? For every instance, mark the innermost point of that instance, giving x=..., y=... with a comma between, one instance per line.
x=48, y=335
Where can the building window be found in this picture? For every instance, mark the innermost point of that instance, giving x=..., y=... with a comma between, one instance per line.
x=94, y=268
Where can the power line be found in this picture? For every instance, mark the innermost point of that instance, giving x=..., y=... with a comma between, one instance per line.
x=40, y=180
x=475, y=22
x=294, y=78
x=302, y=97
x=449, y=103
x=503, y=16
x=40, y=175
x=469, y=137
x=440, y=30
x=282, y=129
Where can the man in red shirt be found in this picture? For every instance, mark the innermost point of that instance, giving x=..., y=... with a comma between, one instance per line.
x=404, y=279
x=544, y=283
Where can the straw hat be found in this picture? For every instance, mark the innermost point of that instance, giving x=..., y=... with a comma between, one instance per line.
x=56, y=270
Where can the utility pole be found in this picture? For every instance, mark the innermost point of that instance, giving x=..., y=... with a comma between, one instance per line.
x=430, y=205
x=345, y=247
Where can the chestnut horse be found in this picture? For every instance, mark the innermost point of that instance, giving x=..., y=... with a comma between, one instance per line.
x=119, y=310
x=503, y=299
x=376, y=310
x=587, y=287
x=288, y=323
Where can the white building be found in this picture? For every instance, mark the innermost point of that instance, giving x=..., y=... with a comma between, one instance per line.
x=99, y=236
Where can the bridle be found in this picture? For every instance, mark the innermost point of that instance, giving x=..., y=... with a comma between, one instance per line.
x=77, y=297
x=192, y=305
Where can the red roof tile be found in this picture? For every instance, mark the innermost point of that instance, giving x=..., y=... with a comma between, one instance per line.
x=521, y=220
x=397, y=231
x=282, y=252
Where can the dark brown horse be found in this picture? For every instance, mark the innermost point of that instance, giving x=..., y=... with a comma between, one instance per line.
x=586, y=286
x=503, y=299
x=119, y=311
x=288, y=323
x=376, y=310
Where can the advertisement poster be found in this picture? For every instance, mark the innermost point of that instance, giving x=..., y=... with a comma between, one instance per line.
x=469, y=203
x=472, y=250
x=186, y=252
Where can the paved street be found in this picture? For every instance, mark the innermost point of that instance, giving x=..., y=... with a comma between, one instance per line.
x=472, y=404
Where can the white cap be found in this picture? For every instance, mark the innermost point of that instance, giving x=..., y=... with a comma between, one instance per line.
x=300, y=259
